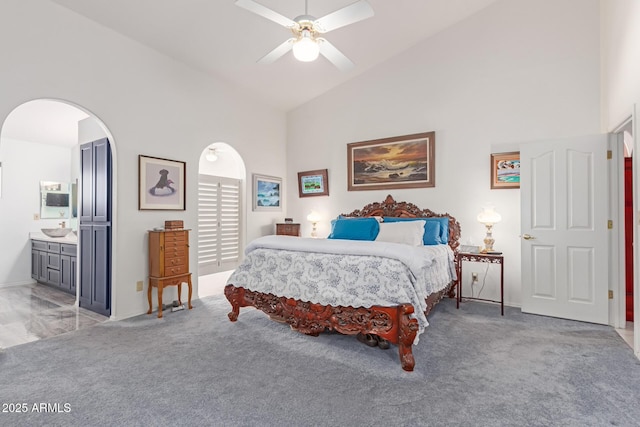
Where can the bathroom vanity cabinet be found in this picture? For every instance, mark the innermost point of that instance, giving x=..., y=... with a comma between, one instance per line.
x=54, y=264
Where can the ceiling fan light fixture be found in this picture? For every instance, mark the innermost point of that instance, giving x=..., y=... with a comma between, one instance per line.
x=306, y=43
x=306, y=49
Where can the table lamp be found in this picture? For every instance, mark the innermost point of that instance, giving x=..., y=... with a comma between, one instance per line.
x=488, y=216
x=314, y=218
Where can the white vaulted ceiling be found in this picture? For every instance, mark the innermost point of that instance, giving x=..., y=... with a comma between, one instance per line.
x=224, y=40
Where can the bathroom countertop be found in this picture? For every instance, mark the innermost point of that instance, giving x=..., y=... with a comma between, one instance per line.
x=70, y=238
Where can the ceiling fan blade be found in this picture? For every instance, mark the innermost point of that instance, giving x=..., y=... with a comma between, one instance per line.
x=277, y=52
x=265, y=12
x=347, y=15
x=336, y=57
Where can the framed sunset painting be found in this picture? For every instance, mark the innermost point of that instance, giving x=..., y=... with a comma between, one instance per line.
x=505, y=170
x=399, y=162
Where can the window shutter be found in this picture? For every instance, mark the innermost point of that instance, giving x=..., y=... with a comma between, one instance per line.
x=219, y=225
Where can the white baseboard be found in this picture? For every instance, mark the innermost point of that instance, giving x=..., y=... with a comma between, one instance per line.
x=21, y=283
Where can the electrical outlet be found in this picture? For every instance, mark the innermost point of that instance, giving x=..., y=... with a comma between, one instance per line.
x=139, y=285
x=474, y=277
x=36, y=216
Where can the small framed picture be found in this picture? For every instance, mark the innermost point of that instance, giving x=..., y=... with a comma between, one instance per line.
x=161, y=184
x=313, y=183
x=266, y=193
x=505, y=170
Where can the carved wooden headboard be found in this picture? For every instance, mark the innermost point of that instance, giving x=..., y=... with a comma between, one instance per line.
x=408, y=210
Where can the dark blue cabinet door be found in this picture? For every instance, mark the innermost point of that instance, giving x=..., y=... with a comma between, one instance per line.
x=42, y=267
x=95, y=164
x=72, y=284
x=95, y=227
x=35, y=261
x=95, y=268
x=100, y=294
x=101, y=181
x=65, y=272
x=86, y=171
x=85, y=239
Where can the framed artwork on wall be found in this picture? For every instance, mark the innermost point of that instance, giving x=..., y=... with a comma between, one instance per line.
x=266, y=193
x=400, y=162
x=505, y=170
x=161, y=184
x=313, y=183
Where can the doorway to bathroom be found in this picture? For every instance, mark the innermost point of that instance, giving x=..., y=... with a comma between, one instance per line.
x=39, y=143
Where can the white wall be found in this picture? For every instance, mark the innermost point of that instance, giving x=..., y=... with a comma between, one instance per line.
x=24, y=165
x=151, y=104
x=621, y=59
x=517, y=71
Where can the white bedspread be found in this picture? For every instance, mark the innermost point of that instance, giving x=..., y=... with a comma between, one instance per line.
x=346, y=272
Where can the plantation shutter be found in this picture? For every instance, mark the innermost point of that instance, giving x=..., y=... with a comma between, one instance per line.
x=219, y=207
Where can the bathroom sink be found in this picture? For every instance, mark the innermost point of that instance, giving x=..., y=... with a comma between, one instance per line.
x=56, y=232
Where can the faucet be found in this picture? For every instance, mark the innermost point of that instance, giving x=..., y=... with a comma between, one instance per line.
x=61, y=224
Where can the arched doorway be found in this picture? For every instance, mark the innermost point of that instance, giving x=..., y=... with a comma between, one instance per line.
x=40, y=154
x=221, y=214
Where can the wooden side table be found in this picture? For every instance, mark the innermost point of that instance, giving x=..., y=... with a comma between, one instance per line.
x=485, y=258
x=288, y=229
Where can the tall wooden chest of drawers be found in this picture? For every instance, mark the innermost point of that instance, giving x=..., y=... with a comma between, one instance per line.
x=168, y=263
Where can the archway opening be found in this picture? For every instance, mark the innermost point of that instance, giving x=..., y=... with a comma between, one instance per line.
x=40, y=156
x=221, y=216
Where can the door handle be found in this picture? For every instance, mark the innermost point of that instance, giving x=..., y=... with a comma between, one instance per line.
x=527, y=237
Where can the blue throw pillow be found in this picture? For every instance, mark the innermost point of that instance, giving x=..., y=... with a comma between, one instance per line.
x=349, y=229
x=433, y=234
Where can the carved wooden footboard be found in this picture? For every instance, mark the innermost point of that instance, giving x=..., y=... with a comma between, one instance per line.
x=394, y=324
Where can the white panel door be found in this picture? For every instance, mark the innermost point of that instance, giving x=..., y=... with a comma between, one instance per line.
x=564, y=228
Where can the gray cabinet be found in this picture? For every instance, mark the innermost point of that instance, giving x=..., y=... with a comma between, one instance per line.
x=95, y=227
x=95, y=241
x=68, y=268
x=54, y=264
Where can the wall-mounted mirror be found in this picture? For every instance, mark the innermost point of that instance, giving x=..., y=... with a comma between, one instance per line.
x=74, y=199
x=54, y=199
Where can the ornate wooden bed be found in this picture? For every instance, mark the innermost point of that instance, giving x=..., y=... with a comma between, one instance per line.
x=394, y=324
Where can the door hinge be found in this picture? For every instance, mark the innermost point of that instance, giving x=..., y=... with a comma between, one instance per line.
x=609, y=154
x=610, y=224
x=610, y=294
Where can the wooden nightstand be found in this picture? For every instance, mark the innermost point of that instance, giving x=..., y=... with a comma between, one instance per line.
x=485, y=258
x=288, y=229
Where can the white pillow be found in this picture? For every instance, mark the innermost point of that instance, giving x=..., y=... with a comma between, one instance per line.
x=407, y=232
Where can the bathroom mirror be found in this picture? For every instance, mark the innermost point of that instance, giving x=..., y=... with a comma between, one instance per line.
x=74, y=199
x=54, y=200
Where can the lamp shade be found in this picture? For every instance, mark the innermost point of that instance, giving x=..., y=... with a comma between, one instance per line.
x=306, y=49
x=313, y=217
x=488, y=215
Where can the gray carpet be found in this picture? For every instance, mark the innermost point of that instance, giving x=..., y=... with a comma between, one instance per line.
x=473, y=368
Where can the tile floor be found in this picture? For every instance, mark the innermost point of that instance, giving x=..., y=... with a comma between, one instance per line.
x=32, y=312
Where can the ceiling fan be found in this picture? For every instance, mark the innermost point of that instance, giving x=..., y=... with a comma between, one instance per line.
x=306, y=41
